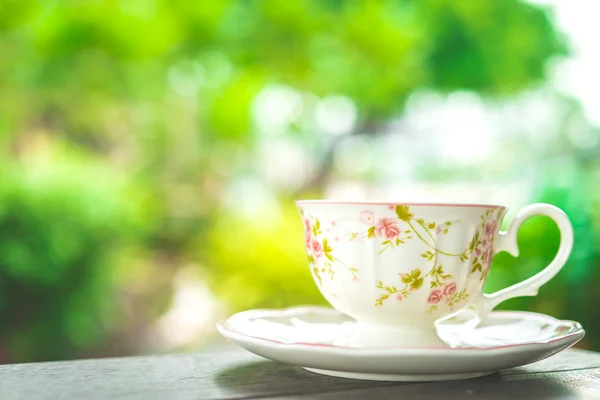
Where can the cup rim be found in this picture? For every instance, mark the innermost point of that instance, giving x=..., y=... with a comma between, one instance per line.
x=404, y=203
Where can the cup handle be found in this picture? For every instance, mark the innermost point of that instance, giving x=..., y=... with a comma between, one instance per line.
x=507, y=241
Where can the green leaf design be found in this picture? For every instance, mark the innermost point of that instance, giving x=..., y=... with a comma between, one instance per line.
x=448, y=223
x=371, y=232
x=330, y=257
x=316, y=272
x=431, y=225
x=316, y=229
x=379, y=285
x=326, y=247
x=415, y=273
x=403, y=213
x=417, y=284
x=476, y=267
x=474, y=241
x=406, y=278
x=311, y=259
x=433, y=284
x=386, y=242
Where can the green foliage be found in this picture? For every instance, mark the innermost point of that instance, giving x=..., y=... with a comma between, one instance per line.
x=259, y=261
x=63, y=223
x=469, y=34
x=376, y=52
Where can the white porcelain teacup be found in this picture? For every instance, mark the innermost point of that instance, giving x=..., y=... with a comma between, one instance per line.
x=397, y=268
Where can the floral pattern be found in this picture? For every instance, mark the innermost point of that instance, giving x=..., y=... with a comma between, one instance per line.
x=367, y=217
x=389, y=228
x=307, y=228
x=320, y=254
x=435, y=296
x=481, y=251
x=394, y=230
x=413, y=281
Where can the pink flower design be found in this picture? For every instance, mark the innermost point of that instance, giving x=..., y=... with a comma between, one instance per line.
x=488, y=257
x=367, y=217
x=317, y=248
x=332, y=223
x=399, y=297
x=450, y=289
x=435, y=296
x=307, y=233
x=336, y=239
x=438, y=229
x=391, y=207
x=482, y=248
x=387, y=228
x=490, y=229
x=355, y=279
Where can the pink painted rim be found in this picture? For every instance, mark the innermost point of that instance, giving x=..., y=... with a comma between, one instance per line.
x=414, y=204
x=579, y=331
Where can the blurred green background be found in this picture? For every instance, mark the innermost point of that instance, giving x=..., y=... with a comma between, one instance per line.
x=151, y=151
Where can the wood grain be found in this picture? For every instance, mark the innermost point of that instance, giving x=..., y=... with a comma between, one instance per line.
x=579, y=384
x=236, y=374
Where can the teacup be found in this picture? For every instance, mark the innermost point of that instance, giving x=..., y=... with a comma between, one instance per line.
x=397, y=268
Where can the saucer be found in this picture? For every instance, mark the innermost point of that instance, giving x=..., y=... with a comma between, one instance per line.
x=304, y=336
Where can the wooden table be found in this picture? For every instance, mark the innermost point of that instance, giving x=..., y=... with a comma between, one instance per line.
x=235, y=374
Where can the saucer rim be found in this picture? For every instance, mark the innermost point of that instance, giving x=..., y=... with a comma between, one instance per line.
x=223, y=328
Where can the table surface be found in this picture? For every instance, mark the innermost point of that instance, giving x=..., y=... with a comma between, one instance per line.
x=231, y=373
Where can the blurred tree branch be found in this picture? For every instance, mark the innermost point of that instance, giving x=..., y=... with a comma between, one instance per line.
x=319, y=182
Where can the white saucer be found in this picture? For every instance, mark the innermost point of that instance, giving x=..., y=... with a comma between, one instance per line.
x=304, y=335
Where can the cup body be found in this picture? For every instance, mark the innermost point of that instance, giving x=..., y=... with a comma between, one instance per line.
x=399, y=265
